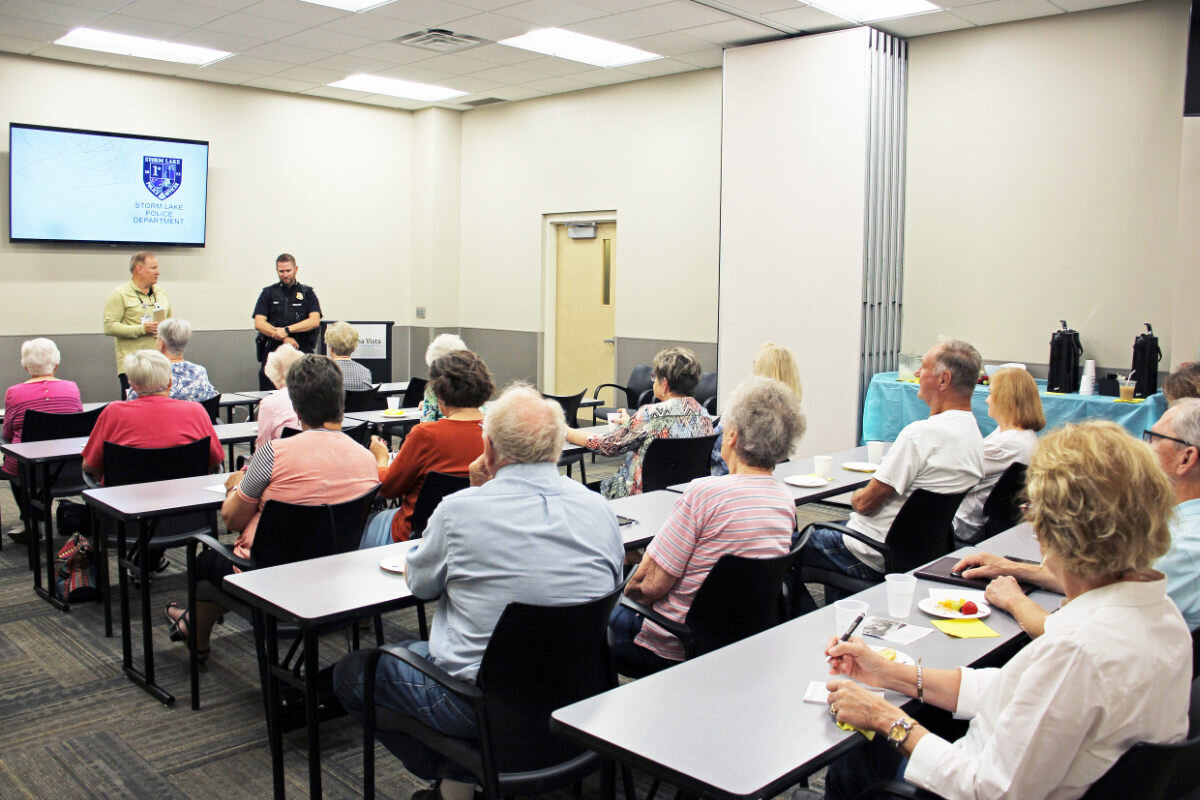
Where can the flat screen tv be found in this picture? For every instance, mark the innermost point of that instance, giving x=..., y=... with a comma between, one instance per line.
x=91, y=187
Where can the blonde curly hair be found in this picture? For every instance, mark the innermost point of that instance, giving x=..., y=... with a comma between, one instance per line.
x=1098, y=500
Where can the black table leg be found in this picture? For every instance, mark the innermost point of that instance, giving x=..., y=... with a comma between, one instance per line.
x=312, y=702
x=271, y=687
x=46, y=501
x=123, y=585
x=145, y=679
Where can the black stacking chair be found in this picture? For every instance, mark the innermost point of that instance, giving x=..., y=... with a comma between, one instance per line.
x=360, y=433
x=286, y=532
x=671, y=461
x=922, y=531
x=436, y=486
x=213, y=407
x=706, y=391
x=415, y=393
x=570, y=407
x=1002, y=509
x=636, y=393
x=538, y=659
x=740, y=597
x=365, y=400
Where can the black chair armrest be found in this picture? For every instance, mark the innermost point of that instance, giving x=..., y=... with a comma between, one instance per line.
x=677, y=629
x=89, y=479
x=467, y=691
x=853, y=534
x=896, y=789
x=624, y=389
x=222, y=550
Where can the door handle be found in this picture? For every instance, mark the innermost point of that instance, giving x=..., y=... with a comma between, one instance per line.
x=609, y=341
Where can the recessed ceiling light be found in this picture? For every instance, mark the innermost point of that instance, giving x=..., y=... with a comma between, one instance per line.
x=397, y=88
x=349, y=5
x=125, y=45
x=870, y=10
x=578, y=47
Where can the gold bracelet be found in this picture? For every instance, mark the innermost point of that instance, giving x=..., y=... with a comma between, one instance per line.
x=920, y=682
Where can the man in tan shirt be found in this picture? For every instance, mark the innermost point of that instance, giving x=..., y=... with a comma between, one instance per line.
x=133, y=310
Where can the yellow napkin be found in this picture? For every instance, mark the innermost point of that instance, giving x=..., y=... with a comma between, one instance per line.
x=964, y=628
x=1134, y=400
x=847, y=727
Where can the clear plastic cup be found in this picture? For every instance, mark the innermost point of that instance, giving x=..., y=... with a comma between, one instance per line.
x=823, y=466
x=844, y=612
x=393, y=402
x=900, y=591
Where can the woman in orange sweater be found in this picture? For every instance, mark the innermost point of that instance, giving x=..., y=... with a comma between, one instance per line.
x=462, y=383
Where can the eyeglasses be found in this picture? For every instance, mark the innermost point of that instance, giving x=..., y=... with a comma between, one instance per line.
x=1149, y=436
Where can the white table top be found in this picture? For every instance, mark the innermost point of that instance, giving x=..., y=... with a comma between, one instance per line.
x=393, y=387
x=47, y=450
x=411, y=416
x=159, y=498
x=649, y=511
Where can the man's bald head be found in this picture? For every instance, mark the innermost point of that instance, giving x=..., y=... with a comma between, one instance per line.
x=524, y=427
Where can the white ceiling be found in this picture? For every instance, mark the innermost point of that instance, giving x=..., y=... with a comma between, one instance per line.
x=298, y=47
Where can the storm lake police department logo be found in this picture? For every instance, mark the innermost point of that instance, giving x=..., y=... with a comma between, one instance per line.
x=161, y=175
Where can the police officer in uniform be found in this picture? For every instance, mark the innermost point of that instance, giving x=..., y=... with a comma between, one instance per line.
x=287, y=312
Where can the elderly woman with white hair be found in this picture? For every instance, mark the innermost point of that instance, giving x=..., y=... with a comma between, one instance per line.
x=341, y=340
x=744, y=513
x=443, y=344
x=275, y=411
x=44, y=391
x=189, y=381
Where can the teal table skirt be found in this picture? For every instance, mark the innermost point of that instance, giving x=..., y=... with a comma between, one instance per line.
x=891, y=404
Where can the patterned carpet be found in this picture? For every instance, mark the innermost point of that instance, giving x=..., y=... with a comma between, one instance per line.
x=72, y=726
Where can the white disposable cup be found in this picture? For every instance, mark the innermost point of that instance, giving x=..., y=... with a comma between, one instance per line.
x=393, y=402
x=614, y=419
x=900, y=591
x=844, y=612
x=875, y=452
x=823, y=466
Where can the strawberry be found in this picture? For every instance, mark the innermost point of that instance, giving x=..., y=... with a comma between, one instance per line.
x=969, y=607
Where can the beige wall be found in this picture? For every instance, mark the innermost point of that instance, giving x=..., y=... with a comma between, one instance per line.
x=327, y=181
x=1185, y=336
x=650, y=150
x=1043, y=183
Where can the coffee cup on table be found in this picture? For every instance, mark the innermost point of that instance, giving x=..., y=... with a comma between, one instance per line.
x=823, y=466
x=393, y=402
x=900, y=590
x=875, y=452
x=844, y=612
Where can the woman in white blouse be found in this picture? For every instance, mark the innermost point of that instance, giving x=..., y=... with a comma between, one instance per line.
x=1017, y=408
x=1112, y=669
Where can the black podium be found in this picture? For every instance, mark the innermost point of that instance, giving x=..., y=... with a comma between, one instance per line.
x=374, y=347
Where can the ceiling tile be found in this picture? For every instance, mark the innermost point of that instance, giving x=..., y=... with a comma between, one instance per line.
x=604, y=77
x=554, y=67
x=1006, y=11
x=620, y=6
x=468, y=83
x=807, y=18
x=390, y=54
x=454, y=64
x=712, y=57
x=509, y=75
x=350, y=64
x=414, y=72
x=1084, y=5
x=216, y=73
x=670, y=44
x=428, y=13
x=231, y=42
x=326, y=40
x=256, y=27
x=517, y=93
x=102, y=5
x=31, y=29
x=336, y=93
x=51, y=12
x=552, y=13
x=732, y=33
x=274, y=51
x=922, y=24
x=617, y=28
x=226, y=5
x=958, y=3
x=136, y=26
x=371, y=27
x=487, y=5
x=279, y=84
x=761, y=6
x=148, y=65
x=75, y=54
x=555, y=85
x=390, y=102
x=294, y=11
x=172, y=11
x=502, y=54
x=310, y=75
x=664, y=66
x=257, y=66
x=679, y=14
x=492, y=27
x=15, y=44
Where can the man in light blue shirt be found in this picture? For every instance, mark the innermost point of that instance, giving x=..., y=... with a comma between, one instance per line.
x=521, y=533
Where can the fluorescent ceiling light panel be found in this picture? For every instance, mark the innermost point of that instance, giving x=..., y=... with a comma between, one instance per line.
x=578, y=47
x=125, y=45
x=870, y=10
x=397, y=88
x=349, y=5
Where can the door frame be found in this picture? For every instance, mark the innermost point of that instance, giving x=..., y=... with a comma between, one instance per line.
x=550, y=224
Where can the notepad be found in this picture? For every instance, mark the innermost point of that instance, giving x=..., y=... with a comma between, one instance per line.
x=964, y=628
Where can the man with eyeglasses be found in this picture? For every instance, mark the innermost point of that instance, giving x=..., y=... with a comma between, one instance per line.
x=1175, y=440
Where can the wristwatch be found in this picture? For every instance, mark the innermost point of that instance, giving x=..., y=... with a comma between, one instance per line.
x=287, y=330
x=898, y=733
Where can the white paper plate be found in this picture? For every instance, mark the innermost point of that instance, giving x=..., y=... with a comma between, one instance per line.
x=807, y=481
x=395, y=563
x=860, y=466
x=901, y=657
x=930, y=606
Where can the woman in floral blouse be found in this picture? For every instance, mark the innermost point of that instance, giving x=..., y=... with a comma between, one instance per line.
x=677, y=415
x=189, y=381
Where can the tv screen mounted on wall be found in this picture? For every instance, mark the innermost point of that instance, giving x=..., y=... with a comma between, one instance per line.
x=92, y=187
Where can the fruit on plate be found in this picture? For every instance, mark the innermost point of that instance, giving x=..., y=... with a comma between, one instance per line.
x=969, y=607
x=952, y=605
x=889, y=654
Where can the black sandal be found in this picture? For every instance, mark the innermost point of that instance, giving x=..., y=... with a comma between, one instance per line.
x=177, y=635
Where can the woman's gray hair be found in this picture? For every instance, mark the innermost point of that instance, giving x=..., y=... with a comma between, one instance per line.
x=341, y=338
x=39, y=356
x=175, y=334
x=443, y=344
x=148, y=371
x=279, y=362
x=768, y=420
x=524, y=427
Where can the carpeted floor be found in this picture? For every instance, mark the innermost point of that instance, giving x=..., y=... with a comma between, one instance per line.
x=73, y=726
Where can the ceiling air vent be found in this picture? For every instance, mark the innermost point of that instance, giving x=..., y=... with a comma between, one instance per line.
x=440, y=40
x=483, y=101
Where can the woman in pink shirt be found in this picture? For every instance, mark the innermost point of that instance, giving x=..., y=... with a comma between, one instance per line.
x=275, y=411
x=43, y=392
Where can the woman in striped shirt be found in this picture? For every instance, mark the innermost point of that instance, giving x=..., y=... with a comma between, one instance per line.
x=746, y=513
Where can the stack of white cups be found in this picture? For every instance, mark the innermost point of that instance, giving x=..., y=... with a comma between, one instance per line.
x=1087, y=385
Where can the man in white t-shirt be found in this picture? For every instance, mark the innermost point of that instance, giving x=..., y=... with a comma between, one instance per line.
x=942, y=454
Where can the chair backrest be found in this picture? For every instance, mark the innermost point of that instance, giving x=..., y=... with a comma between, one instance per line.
x=570, y=405
x=740, y=597
x=923, y=530
x=1196, y=665
x=40, y=426
x=710, y=405
x=640, y=382
x=212, y=406
x=706, y=389
x=365, y=400
x=671, y=461
x=1001, y=510
x=360, y=433
x=436, y=486
x=289, y=532
x=415, y=393
x=124, y=465
x=538, y=659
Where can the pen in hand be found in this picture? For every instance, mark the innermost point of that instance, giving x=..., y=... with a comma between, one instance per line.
x=849, y=632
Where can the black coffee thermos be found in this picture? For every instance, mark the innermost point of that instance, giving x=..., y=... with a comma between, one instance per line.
x=1146, y=355
x=1065, y=351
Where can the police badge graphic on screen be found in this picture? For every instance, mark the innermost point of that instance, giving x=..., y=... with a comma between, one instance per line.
x=88, y=186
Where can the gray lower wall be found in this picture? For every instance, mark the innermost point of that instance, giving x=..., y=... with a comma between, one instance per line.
x=631, y=352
